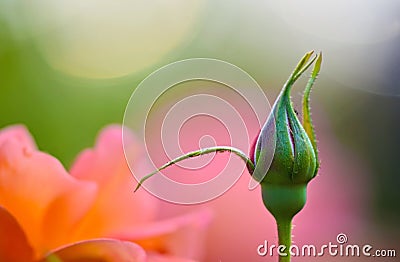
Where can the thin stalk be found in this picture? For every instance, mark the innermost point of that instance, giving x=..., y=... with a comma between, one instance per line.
x=285, y=237
x=205, y=151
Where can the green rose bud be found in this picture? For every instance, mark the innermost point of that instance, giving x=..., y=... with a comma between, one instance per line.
x=295, y=161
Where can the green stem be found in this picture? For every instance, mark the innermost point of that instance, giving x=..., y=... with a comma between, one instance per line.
x=284, y=202
x=285, y=237
x=205, y=151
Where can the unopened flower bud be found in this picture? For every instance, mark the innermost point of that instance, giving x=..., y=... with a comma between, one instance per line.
x=295, y=161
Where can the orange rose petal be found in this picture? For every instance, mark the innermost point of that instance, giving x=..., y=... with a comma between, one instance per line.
x=116, y=207
x=19, y=133
x=108, y=152
x=30, y=181
x=99, y=250
x=14, y=246
x=181, y=236
x=64, y=212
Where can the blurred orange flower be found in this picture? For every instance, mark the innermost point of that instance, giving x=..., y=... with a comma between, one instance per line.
x=88, y=214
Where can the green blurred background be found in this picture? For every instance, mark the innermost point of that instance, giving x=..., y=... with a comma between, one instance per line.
x=68, y=68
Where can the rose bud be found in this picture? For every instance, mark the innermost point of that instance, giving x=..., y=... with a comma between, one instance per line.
x=295, y=161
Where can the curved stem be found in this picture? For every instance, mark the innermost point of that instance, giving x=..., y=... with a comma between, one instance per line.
x=285, y=237
x=205, y=151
